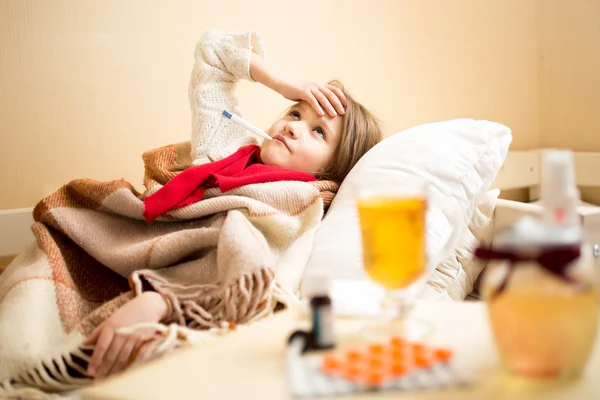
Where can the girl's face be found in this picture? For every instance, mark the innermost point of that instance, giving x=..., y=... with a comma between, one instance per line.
x=302, y=140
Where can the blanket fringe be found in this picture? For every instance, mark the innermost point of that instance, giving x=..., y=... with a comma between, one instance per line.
x=68, y=372
x=286, y=296
x=60, y=374
x=207, y=306
x=251, y=298
x=239, y=303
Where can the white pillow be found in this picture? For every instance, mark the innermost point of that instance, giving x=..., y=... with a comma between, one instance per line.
x=459, y=158
x=454, y=278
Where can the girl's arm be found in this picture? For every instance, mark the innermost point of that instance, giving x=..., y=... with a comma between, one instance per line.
x=221, y=59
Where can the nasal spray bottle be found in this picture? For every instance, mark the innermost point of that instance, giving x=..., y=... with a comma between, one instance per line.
x=559, y=194
x=539, y=285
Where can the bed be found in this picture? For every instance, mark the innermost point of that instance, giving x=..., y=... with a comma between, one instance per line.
x=518, y=178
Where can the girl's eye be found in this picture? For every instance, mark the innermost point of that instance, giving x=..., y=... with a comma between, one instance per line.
x=294, y=114
x=320, y=131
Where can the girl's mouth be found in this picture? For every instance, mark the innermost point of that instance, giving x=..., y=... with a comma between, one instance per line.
x=282, y=139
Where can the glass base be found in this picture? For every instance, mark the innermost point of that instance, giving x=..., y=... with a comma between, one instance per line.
x=411, y=329
x=397, y=319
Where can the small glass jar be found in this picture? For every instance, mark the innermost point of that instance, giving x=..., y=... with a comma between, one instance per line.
x=542, y=299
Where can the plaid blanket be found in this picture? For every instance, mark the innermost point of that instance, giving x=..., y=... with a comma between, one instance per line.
x=232, y=257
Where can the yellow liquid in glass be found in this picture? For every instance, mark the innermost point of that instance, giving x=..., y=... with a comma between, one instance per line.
x=393, y=236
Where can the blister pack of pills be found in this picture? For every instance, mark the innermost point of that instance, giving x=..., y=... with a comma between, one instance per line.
x=396, y=365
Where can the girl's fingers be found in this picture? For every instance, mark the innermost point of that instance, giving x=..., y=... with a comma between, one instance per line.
x=324, y=102
x=124, y=355
x=340, y=95
x=311, y=99
x=102, y=345
x=111, y=356
x=333, y=99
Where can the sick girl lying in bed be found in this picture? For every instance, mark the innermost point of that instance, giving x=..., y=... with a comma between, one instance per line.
x=321, y=137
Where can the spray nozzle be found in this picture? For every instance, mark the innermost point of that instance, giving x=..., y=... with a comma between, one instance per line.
x=558, y=189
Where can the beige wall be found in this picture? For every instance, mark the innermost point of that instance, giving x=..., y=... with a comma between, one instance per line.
x=569, y=77
x=87, y=86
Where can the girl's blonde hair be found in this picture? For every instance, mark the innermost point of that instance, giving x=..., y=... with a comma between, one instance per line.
x=361, y=131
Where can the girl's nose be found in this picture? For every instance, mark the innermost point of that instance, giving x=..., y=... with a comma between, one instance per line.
x=294, y=129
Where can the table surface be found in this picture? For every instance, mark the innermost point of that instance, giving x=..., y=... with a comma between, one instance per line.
x=249, y=363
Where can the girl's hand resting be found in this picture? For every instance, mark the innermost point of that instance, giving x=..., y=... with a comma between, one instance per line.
x=113, y=351
x=319, y=96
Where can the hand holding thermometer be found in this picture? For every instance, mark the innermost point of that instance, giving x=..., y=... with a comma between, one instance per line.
x=246, y=125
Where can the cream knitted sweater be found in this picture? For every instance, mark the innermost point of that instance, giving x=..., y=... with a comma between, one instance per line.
x=221, y=60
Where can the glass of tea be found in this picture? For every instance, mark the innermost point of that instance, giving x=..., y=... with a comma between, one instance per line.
x=393, y=224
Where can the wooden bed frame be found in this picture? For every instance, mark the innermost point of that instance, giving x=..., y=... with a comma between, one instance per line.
x=521, y=170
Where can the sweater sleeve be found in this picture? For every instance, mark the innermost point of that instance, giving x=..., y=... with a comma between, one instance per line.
x=221, y=60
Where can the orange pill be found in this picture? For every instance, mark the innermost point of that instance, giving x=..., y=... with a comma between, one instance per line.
x=399, y=353
x=443, y=354
x=399, y=368
x=353, y=355
x=330, y=363
x=376, y=348
x=373, y=378
x=397, y=342
x=423, y=361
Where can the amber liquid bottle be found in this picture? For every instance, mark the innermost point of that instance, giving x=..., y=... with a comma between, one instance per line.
x=540, y=285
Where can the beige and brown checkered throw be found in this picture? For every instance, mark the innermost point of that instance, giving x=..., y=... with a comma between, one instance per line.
x=232, y=257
